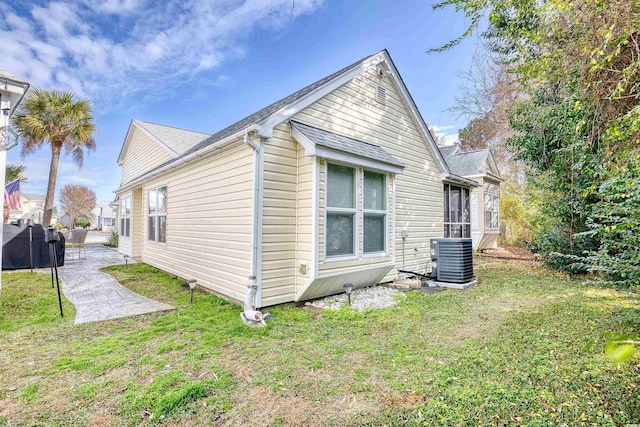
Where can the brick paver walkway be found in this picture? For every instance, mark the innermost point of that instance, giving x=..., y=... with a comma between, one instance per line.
x=98, y=296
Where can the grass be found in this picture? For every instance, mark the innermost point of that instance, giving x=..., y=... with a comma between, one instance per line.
x=522, y=348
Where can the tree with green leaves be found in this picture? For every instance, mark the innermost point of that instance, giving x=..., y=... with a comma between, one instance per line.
x=14, y=172
x=60, y=120
x=577, y=127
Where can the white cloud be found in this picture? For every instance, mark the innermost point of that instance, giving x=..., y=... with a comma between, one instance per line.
x=114, y=49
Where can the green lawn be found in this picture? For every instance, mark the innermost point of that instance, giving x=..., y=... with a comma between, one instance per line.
x=512, y=351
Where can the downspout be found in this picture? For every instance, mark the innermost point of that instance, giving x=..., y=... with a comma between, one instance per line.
x=250, y=316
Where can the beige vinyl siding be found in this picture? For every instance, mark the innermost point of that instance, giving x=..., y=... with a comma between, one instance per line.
x=352, y=110
x=209, y=228
x=305, y=195
x=142, y=154
x=279, y=218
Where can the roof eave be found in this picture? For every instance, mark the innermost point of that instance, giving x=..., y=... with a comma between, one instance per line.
x=460, y=180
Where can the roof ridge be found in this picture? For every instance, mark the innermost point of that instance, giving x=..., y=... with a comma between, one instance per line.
x=172, y=127
x=477, y=150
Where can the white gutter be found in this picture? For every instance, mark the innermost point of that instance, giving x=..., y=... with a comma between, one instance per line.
x=458, y=180
x=189, y=158
x=250, y=316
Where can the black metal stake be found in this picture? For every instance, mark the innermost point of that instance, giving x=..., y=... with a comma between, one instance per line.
x=31, y=247
x=51, y=257
x=54, y=265
x=349, y=299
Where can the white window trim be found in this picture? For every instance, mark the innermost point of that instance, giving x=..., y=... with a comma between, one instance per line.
x=496, y=211
x=384, y=212
x=156, y=215
x=358, y=212
x=354, y=211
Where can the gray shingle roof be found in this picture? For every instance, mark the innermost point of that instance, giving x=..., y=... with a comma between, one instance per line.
x=179, y=140
x=345, y=144
x=273, y=108
x=465, y=163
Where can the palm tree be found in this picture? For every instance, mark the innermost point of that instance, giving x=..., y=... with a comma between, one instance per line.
x=61, y=120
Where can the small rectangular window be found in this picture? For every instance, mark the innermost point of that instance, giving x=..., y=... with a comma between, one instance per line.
x=374, y=212
x=157, y=215
x=491, y=211
x=125, y=216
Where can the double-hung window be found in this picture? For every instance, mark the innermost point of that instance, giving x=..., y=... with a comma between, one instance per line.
x=344, y=211
x=341, y=211
x=374, y=212
x=457, y=221
x=157, y=215
x=125, y=216
x=491, y=208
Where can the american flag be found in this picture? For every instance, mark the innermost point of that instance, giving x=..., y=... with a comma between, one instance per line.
x=12, y=195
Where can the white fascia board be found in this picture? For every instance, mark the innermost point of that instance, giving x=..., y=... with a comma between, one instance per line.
x=267, y=125
x=458, y=180
x=408, y=101
x=127, y=137
x=493, y=165
x=486, y=175
x=187, y=159
x=308, y=145
x=16, y=90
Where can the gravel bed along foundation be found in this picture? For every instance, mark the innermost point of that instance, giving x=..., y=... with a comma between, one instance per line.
x=361, y=299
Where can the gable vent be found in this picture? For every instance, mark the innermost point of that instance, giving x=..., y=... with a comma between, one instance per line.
x=381, y=95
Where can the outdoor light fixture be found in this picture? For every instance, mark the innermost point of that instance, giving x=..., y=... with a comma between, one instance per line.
x=348, y=287
x=126, y=261
x=192, y=285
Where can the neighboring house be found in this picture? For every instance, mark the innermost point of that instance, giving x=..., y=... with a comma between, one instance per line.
x=324, y=187
x=484, y=200
x=104, y=217
x=32, y=209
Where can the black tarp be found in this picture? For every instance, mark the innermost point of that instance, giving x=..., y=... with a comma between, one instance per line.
x=15, y=248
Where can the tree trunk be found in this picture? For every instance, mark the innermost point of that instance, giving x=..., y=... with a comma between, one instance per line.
x=51, y=187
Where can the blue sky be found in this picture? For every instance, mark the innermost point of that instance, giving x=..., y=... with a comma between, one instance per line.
x=202, y=64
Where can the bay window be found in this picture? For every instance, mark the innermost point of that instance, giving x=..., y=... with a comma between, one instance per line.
x=344, y=211
x=457, y=221
x=157, y=215
x=125, y=216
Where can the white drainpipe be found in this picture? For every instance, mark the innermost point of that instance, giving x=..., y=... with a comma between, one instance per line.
x=250, y=316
